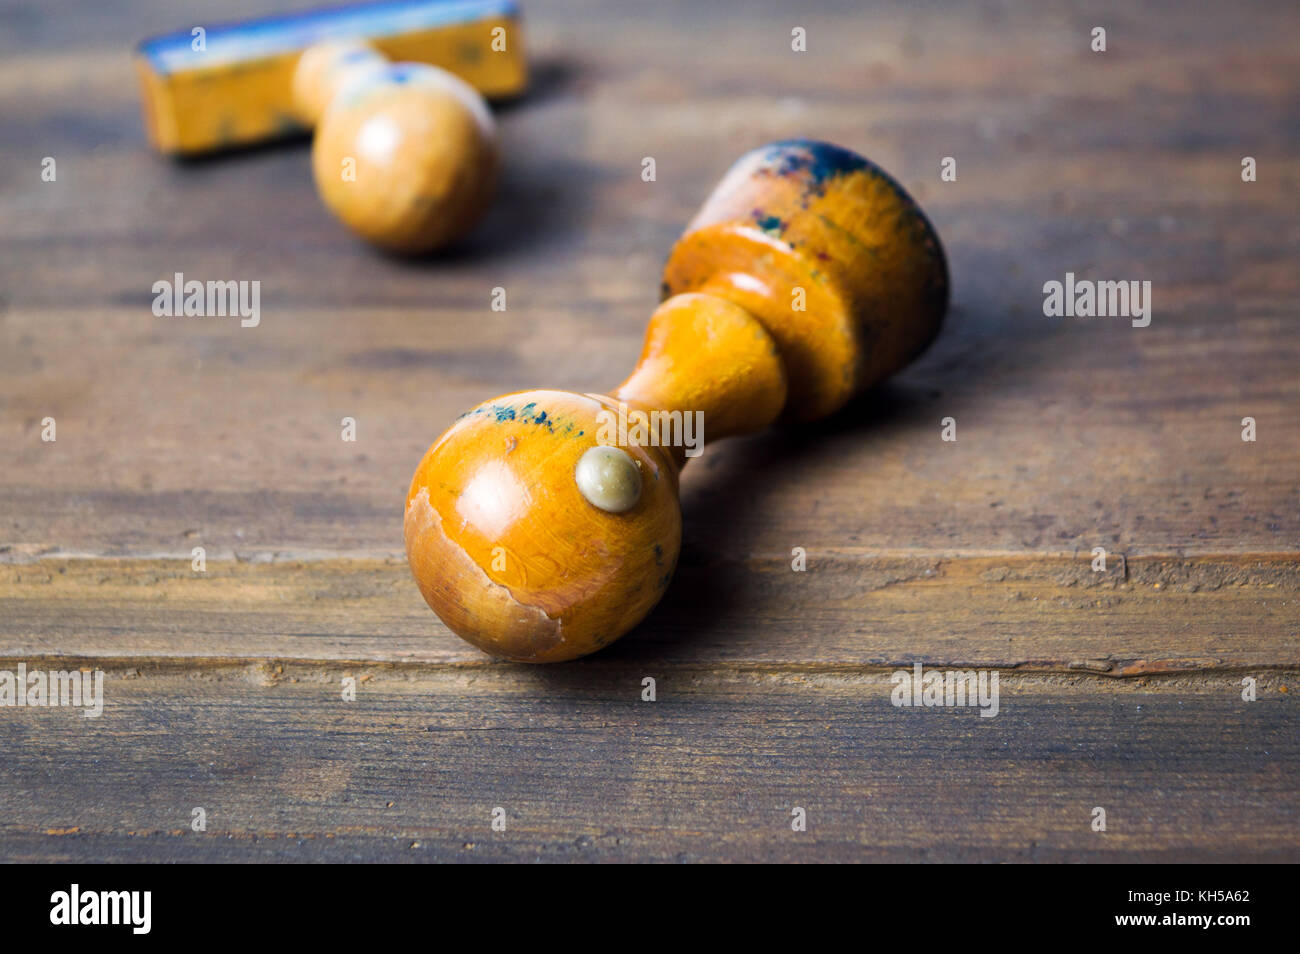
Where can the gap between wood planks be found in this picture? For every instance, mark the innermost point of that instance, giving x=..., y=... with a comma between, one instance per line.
x=624, y=679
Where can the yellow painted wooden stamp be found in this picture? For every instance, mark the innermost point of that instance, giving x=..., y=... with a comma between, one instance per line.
x=217, y=86
x=543, y=525
x=405, y=154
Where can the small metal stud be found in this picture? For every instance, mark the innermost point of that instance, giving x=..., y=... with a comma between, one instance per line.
x=609, y=478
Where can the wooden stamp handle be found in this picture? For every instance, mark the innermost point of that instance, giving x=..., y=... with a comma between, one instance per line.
x=807, y=276
x=405, y=154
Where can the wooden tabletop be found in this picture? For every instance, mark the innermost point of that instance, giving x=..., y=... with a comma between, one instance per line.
x=1120, y=689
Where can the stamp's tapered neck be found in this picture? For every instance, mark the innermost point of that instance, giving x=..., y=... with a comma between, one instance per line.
x=711, y=360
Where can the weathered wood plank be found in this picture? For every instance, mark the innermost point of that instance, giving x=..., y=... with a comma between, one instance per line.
x=847, y=610
x=585, y=771
x=145, y=464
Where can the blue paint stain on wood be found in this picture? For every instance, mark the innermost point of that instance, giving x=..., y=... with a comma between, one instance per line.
x=269, y=36
x=819, y=161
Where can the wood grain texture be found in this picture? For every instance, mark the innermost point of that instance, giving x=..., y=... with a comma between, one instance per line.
x=1120, y=689
x=412, y=770
x=848, y=610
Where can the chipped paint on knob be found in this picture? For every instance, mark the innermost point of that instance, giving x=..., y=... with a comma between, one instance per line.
x=609, y=478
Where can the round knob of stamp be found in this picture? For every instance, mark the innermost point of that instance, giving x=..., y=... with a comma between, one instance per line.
x=405, y=154
x=533, y=541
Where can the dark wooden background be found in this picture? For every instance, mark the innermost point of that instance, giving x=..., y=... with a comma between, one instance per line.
x=1118, y=689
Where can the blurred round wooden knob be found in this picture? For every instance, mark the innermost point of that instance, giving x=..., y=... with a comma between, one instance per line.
x=545, y=524
x=405, y=154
